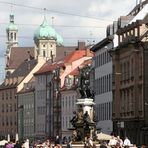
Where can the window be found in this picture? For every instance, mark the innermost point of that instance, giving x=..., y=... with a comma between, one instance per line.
x=7, y=107
x=69, y=101
x=68, y=81
x=10, y=95
x=6, y=95
x=7, y=121
x=2, y=95
x=63, y=123
x=2, y=107
x=44, y=53
x=132, y=67
x=65, y=101
x=136, y=32
x=3, y=123
x=8, y=36
x=11, y=36
x=11, y=121
x=15, y=36
x=10, y=106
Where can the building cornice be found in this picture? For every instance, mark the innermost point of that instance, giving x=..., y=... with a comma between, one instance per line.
x=102, y=43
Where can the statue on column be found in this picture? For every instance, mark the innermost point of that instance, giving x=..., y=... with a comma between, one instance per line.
x=82, y=120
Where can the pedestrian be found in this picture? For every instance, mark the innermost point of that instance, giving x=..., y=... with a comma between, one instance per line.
x=112, y=142
x=9, y=145
x=69, y=144
x=57, y=146
x=143, y=146
x=26, y=144
x=89, y=143
x=103, y=145
x=126, y=142
x=119, y=142
x=57, y=139
x=17, y=145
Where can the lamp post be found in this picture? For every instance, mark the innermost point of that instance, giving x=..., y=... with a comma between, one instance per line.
x=57, y=107
x=118, y=127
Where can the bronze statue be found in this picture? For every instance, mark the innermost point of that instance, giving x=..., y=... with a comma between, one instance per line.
x=74, y=119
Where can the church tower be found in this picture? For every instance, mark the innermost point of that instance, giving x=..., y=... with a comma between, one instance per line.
x=12, y=41
x=46, y=40
x=12, y=36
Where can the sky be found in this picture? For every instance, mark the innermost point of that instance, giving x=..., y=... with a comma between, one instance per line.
x=74, y=20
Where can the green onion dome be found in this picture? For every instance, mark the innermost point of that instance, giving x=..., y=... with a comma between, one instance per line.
x=45, y=32
x=12, y=27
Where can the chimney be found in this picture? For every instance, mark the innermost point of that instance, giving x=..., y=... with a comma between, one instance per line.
x=81, y=45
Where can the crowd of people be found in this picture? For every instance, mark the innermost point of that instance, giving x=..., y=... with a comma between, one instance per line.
x=114, y=142
x=117, y=142
x=17, y=144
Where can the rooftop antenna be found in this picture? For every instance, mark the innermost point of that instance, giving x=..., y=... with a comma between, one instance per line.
x=52, y=21
x=44, y=11
x=11, y=14
x=11, y=7
x=44, y=14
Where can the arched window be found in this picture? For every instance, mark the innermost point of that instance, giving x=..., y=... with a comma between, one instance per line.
x=11, y=36
x=8, y=35
x=15, y=36
x=44, y=53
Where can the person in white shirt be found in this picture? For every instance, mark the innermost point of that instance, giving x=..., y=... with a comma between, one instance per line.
x=126, y=142
x=112, y=141
x=26, y=144
x=119, y=141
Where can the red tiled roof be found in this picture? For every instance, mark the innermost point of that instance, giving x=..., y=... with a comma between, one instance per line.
x=75, y=55
x=63, y=51
x=48, y=67
x=75, y=72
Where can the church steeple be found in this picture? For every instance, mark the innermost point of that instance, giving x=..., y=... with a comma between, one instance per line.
x=11, y=30
x=12, y=41
x=46, y=40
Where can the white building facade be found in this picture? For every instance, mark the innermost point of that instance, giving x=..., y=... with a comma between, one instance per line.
x=103, y=85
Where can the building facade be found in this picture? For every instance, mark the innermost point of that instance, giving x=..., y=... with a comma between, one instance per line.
x=130, y=82
x=8, y=114
x=103, y=84
x=69, y=97
x=50, y=79
x=26, y=111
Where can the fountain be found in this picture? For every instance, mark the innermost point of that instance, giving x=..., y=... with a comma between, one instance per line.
x=83, y=119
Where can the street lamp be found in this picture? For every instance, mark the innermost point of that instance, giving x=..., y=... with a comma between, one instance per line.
x=118, y=127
